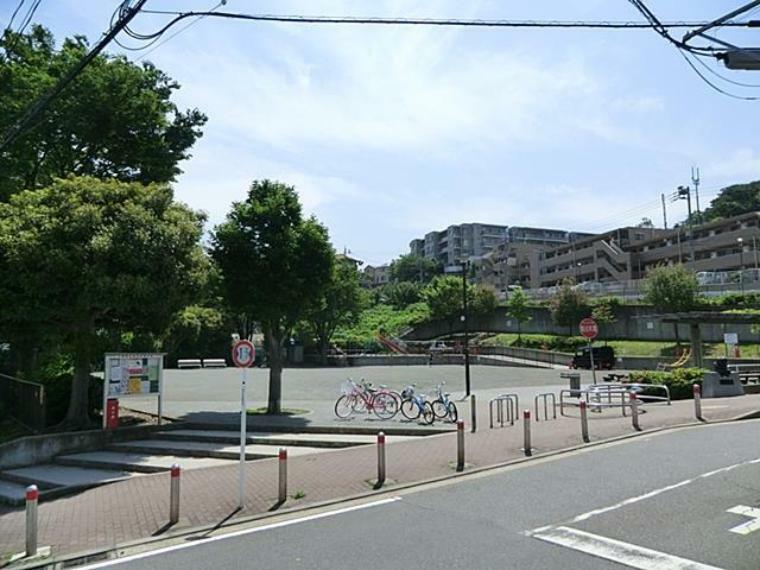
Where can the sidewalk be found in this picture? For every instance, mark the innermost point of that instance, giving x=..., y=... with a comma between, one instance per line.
x=138, y=508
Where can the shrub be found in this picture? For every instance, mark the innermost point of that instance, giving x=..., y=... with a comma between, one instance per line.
x=678, y=381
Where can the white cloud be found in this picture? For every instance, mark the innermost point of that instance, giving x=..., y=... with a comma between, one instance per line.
x=739, y=166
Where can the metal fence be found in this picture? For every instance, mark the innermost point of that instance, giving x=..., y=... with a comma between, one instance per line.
x=24, y=401
x=533, y=354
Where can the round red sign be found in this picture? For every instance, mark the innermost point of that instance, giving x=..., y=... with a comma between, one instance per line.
x=589, y=328
x=243, y=353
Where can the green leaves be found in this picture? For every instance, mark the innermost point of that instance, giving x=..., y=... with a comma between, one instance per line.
x=568, y=306
x=671, y=289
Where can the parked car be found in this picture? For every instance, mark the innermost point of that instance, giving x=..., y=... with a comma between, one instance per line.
x=604, y=358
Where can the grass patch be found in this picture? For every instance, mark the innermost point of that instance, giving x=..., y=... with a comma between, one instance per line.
x=653, y=348
x=298, y=495
x=285, y=412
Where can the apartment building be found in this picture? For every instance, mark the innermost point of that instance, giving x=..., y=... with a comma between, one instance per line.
x=376, y=275
x=457, y=242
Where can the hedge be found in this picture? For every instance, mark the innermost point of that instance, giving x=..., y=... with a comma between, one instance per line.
x=679, y=381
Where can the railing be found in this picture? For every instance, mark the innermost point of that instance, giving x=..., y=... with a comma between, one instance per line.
x=25, y=401
x=534, y=354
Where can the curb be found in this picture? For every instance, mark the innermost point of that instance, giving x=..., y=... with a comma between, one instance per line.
x=112, y=552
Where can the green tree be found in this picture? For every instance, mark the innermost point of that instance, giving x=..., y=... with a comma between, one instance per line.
x=415, y=268
x=400, y=294
x=340, y=305
x=518, y=309
x=481, y=300
x=85, y=255
x=733, y=201
x=443, y=296
x=603, y=311
x=116, y=120
x=569, y=305
x=275, y=266
x=672, y=289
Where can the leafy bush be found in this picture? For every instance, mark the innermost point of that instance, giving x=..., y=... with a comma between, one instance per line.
x=551, y=342
x=678, y=381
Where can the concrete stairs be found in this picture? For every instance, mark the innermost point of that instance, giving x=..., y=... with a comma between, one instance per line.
x=190, y=448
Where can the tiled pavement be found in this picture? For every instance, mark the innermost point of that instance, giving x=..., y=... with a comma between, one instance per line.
x=136, y=508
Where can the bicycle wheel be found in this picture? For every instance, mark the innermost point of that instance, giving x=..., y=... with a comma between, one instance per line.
x=439, y=408
x=452, y=412
x=344, y=406
x=427, y=414
x=409, y=409
x=384, y=406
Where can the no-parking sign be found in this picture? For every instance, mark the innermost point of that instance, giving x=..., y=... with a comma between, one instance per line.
x=243, y=353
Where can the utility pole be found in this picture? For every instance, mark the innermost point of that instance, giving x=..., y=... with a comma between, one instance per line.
x=685, y=192
x=664, y=212
x=695, y=181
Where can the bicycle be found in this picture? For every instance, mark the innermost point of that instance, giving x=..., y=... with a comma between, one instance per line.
x=443, y=407
x=414, y=405
x=363, y=398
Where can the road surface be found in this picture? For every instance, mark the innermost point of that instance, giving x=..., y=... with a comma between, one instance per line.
x=680, y=499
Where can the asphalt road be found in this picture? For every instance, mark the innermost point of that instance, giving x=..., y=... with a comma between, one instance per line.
x=659, y=501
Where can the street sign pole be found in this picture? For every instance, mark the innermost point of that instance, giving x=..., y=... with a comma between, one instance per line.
x=243, y=355
x=590, y=329
x=591, y=354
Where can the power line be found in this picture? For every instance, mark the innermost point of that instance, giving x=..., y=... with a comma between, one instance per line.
x=38, y=107
x=13, y=17
x=29, y=15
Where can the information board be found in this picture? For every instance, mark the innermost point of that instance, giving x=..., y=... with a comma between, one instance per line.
x=131, y=374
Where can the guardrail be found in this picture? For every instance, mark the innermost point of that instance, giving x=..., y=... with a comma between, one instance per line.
x=25, y=401
x=594, y=396
x=535, y=354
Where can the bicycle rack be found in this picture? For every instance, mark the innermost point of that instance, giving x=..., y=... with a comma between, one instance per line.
x=508, y=401
x=546, y=397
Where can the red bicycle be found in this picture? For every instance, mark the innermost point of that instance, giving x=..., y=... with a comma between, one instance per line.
x=358, y=398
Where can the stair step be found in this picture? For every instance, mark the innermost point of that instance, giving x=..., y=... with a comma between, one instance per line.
x=266, y=438
x=52, y=476
x=12, y=493
x=192, y=449
x=137, y=462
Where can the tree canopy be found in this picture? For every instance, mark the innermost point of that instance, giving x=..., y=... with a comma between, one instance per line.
x=518, y=309
x=116, y=120
x=415, y=268
x=275, y=266
x=443, y=296
x=733, y=201
x=85, y=255
x=569, y=305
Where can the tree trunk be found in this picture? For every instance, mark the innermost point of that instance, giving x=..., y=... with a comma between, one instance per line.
x=274, y=348
x=519, y=334
x=79, y=406
x=324, y=345
x=678, y=339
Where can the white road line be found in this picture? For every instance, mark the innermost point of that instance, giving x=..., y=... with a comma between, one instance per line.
x=747, y=527
x=240, y=533
x=650, y=494
x=618, y=551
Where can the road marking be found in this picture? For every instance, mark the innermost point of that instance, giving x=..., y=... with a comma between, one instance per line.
x=650, y=494
x=240, y=533
x=617, y=551
x=747, y=527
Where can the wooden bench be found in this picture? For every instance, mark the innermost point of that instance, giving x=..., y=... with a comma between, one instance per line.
x=189, y=363
x=214, y=363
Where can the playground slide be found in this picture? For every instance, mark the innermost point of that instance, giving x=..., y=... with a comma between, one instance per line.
x=391, y=345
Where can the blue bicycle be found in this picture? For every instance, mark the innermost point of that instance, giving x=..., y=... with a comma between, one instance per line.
x=414, y=406
x=443, y=407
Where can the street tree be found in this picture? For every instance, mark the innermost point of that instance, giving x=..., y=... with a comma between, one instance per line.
x=416, y=268
x=569, y=305
x=603, y=311
x=443, y=296
x=340, y=304
x=518, y=309
x=275, y=266
x=672, y=289
x=115, y=120
x=400, y=294
x=84, y=255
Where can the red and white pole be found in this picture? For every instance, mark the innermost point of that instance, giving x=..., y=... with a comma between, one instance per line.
x=282, y=491
x=460, y=445
x=634, y=410
x=698, y=401
x=174, y=494
x=584, y=421
x=380, y=459
x=527, y=447
x=32, y=496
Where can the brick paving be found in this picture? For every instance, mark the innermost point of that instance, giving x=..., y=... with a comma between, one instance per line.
x=137, y=508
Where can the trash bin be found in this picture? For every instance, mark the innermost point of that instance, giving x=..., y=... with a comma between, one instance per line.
x=575, y=382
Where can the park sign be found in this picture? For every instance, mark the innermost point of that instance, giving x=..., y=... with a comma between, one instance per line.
x=589, y=328
x=243, y=353
x=132, y=374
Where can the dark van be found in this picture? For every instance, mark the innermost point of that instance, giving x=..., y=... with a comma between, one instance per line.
x=604, y=358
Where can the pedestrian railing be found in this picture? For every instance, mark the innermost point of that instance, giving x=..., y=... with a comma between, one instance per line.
x=24, y=401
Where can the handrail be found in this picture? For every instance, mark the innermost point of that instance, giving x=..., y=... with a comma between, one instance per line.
x=14, y=379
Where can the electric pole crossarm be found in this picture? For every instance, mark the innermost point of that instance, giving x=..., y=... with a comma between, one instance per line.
x=700, y=30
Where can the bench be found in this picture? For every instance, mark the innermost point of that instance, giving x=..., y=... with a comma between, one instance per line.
x=189, y=363
x=214, y=363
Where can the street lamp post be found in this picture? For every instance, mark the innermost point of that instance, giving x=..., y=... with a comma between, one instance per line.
x=740, y=241
x=466, y=327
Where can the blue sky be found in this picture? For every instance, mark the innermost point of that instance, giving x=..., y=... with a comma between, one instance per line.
x=390, y=132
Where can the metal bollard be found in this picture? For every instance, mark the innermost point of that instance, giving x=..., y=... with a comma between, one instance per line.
x=174, y=495
x=282, y=490
x=698, y=401
x=584, y=422
x=634, y=410
x=380, y=459
x=526, y=429
x=460, y=445
x=473, y=414
x=32, y=495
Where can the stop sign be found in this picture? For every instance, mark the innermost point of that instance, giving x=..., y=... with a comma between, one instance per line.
x=589, y=328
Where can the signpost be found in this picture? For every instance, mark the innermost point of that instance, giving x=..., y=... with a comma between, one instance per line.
x=243, y=355
x=590, y=329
